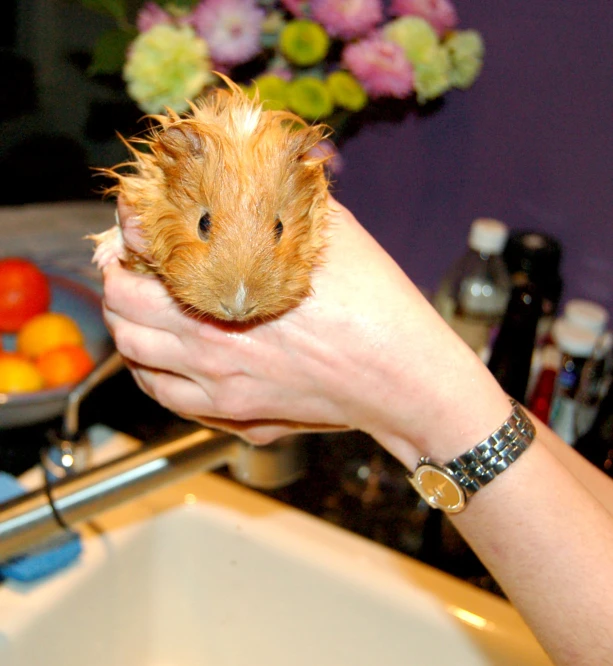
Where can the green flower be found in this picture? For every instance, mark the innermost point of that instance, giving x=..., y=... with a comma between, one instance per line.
x=272, y=90
x=466, y=51
x=166, y=66
x=432, y=75
x=304, y=42
x=415, y=35
x=346, y=91
x=310, y=98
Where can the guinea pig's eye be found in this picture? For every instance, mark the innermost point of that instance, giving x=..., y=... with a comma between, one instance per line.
x=204, y=226
x=278, y=229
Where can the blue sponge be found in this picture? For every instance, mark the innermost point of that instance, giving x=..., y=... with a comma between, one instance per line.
x=55, y=555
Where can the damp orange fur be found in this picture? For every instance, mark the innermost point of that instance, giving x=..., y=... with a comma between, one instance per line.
x=231, y=209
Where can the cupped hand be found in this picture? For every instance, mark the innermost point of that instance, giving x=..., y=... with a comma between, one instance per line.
x=365, y=351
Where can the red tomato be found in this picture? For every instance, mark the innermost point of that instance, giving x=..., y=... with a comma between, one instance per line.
x=24, y=292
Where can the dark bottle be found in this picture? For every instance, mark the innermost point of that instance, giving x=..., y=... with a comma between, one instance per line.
x=597, y=443
x=535, y=257
x=511, y=355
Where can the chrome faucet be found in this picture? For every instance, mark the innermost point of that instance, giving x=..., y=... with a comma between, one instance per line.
x=69, y=450
x=30, y=520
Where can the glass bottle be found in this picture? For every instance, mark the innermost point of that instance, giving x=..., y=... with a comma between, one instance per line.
x=511, y=356
x=534, y=256
x=473, y=296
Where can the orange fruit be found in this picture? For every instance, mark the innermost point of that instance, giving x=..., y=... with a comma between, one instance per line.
x=18, y=375
x=24, y=293
x=48, y=331
x=11, y=354
x=64, y=365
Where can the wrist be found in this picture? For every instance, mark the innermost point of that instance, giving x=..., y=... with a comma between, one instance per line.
x=455, y=405
x=449, y=485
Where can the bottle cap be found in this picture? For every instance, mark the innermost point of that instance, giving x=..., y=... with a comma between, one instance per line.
x=534, y=253
x=587, y=314
x=488, y=235
x=572, y=339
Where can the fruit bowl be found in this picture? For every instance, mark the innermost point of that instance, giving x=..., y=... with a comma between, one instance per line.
x=83, y=304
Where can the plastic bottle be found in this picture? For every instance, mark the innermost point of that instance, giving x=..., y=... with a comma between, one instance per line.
x=597, y=443
x=576, y=345
x=593, y=383
x=547, y=359
x=473, y=296
x=593, y=317
x=511, y=356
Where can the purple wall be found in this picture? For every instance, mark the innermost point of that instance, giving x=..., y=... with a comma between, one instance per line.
x=531, y=143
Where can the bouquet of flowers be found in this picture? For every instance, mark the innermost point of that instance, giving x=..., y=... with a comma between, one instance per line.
x=316, y=58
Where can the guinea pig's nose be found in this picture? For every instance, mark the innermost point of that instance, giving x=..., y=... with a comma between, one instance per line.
x=237, y=305
x=236, y=313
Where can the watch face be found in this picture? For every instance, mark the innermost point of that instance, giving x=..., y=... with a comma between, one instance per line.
x=438, y=488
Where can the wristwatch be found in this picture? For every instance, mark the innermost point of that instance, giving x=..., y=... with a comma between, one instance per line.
x=449, y=486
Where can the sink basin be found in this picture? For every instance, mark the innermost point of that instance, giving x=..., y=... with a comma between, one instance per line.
x=208, y=573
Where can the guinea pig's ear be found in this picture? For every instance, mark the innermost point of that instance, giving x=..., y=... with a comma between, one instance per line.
x=304, y=141
x=180, y=141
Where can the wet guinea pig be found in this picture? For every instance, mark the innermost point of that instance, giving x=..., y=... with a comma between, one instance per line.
x=230, y=207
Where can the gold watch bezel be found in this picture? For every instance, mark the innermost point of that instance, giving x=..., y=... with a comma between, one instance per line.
x=438, y=487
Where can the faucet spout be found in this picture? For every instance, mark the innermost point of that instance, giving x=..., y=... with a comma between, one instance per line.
x=28, y=521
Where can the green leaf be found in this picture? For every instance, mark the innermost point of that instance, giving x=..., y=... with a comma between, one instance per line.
x=114, y=8
x=110, y=52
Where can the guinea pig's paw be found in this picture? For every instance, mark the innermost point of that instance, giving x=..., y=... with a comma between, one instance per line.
x=110, y=247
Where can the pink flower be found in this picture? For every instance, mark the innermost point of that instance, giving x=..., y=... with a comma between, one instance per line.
x=295, y=7
x=440, y=14
x=151, y=14
x=347, y=18
x=231, y=28
x=380, y=66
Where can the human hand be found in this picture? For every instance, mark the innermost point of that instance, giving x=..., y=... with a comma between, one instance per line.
x=365, y=351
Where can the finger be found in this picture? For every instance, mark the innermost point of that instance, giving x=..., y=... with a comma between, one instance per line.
x=181, y=394
x=265, y=432
x=174, y=392
x=254, y=434
x=147, y=346
x=196, y=401
x=141, y=298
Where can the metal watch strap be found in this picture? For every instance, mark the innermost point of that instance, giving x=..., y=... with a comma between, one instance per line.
x=484, y=462
x=448, y=486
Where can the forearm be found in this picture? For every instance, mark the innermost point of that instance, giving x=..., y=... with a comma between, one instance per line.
x=549, y=544
x=537, y=527
x=594, y=480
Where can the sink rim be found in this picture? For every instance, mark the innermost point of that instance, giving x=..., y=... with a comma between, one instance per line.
x=486, y=618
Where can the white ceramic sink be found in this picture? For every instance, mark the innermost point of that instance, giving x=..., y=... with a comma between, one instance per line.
x=207, y=573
